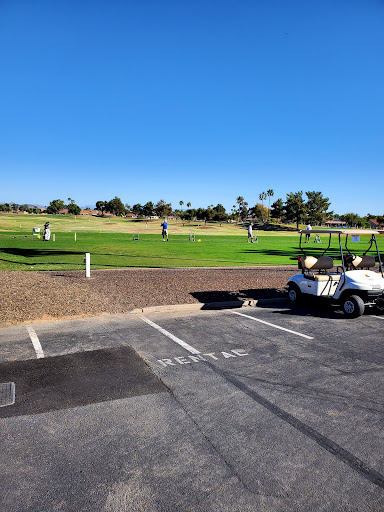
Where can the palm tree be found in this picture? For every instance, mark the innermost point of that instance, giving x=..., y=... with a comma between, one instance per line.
x=189, y=205
x=181, y=204
x=262, y=197
x=270, y=194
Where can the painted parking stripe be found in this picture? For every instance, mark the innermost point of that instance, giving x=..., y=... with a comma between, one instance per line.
x=171, y=336
x=35, y=342
x=379, y=317
x=273, y=325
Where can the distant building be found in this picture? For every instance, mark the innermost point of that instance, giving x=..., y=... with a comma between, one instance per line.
x=336, y=223
x=374, y=224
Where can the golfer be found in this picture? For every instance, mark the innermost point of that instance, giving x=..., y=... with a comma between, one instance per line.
x=250, y=239
x=165, y=230
x=308, y=227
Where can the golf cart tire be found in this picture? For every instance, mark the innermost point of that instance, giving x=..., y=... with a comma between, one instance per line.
x=353, y=306
x=294, y=294
x=380, y=306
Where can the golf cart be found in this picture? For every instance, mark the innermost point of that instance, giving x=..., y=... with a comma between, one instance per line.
x=354, y=285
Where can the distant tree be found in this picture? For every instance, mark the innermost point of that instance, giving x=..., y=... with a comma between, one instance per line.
x=270, y=193
x=55, y=206
x=316, y=207
x=116, y=207
x=200, y=213
x=189, y=205
x=353, y=220
x=25, y=208
x=277, y=209
x=128, y=208
x=208, y=213
x=74, y=209
x=148, y=209
x=242, y=208
x=163, y=209
x=219, y=213
x=189, y=214
x=262, y=197
x=101, y=206
x=240, y=203
x=258, y=211
x=181, y=203
x=137, y=209
x=36, y=211
x=295, y=207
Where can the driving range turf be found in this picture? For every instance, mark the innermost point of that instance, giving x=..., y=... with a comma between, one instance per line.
x=112, y=248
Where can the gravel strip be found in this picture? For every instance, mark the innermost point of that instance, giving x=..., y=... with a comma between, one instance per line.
x=36, y=296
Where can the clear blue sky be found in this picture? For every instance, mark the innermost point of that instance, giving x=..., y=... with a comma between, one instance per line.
x=198, y=101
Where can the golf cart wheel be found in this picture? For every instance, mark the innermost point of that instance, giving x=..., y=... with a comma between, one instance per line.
x=353, y=306
x=294, y=293
x=380, y=306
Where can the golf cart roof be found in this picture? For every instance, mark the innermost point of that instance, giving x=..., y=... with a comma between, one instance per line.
x=342, y=231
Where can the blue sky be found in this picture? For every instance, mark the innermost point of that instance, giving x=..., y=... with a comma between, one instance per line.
x=199, y=101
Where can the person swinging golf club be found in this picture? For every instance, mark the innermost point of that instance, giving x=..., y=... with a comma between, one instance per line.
x=164, y=232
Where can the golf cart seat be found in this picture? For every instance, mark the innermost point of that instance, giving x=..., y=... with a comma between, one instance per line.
x=322, y=263
x=363, y=261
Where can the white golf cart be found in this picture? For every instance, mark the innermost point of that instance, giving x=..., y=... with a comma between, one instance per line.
x=354, y=284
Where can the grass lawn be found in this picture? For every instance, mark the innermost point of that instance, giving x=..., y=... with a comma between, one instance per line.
x=111, y=245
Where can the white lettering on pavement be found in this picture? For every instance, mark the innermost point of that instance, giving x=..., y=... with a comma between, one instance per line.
x=239, y=352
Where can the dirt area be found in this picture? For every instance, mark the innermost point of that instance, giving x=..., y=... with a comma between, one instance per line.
x=31, y=296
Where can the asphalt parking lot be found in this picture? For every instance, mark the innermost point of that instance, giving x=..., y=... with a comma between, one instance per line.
x=258, y=408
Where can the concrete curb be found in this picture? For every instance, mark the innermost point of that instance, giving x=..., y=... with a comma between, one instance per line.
x=276, y=300
x=233, y=304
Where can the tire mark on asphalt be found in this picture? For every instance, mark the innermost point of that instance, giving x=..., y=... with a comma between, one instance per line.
x=331, y=446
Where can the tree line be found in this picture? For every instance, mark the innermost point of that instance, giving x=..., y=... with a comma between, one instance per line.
x=14, y=207
x=54, y=207
x=294, y=209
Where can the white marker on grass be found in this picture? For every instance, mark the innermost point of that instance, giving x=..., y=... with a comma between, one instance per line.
x=87, y=260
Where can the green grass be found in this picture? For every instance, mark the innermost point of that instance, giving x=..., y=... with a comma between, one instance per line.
x=116, y=250
x=111, y=245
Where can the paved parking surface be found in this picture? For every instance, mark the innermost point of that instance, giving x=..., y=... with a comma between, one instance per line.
x=267, y=409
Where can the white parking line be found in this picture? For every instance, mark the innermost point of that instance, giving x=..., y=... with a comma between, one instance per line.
x=380, y=317
x=273, y=325
x=35, y=342
x=171, y=336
